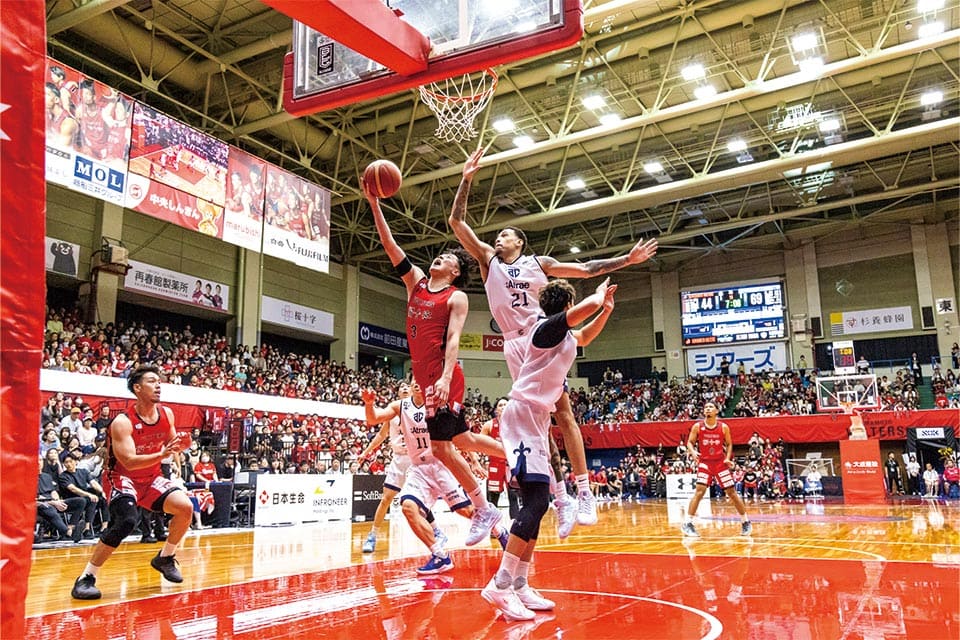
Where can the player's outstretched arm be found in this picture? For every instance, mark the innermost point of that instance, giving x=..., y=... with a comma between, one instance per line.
x=410, y=275
x=374, y=414
x=377, y=439
x=480, y=250
x=583, y=310
x=592, y=329
x=641, y=252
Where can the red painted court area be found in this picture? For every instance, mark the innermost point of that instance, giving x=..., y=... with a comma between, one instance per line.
x=598, y=595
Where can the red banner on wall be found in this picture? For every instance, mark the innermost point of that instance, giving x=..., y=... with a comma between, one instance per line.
x=22, y=248
x=178, y=207
x=880, y=425
x=492, y=342
x=862, y=471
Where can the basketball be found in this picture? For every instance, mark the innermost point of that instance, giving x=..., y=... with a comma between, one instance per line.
x=383, y=177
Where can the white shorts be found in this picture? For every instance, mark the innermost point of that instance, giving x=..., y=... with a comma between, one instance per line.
x=515, y=352
x=428, y=482
x=397, y=472
x=524, y=431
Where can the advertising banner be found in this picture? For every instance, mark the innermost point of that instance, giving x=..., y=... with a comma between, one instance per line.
x=177, y=207
x=243, y=209
x=87, y=133
x=862, y=471
x=871, y=321
x=297, y=216
x=61, y=256
x=492, y=342
x=296, y=498
x=179, y=156
x=297, y=316
x=758, y=357
x=181, y=287
x=374, y=336
x=367, y=492
x=471, y=342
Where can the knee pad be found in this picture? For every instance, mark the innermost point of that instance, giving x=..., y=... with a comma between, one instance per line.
x=536, y=501
x=123, y=519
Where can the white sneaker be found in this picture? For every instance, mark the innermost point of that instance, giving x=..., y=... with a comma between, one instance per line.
x=483, y=521
x=507, y=602
x=586, y=509
x=531, y=599
x=566, y=514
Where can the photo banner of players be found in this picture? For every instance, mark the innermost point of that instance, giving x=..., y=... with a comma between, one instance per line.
x=243, y=208
x=177, y=155
x=61, y=256
x=87, y=133
x=163, y=283
x=297, y=216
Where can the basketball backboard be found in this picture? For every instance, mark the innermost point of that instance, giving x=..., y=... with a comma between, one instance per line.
x=458, y=37
x=856, y=391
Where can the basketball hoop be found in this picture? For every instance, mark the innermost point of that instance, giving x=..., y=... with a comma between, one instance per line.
x=457, y=102
x=847, y=407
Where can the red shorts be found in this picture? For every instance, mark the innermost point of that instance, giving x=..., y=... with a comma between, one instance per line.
x=146, y=493
x=497, y=475
x=714, y=469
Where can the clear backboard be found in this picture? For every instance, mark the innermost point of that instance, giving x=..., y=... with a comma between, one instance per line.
x=845, y=393
x=448, y=38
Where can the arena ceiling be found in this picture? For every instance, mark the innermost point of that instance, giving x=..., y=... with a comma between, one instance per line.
x=849, y=144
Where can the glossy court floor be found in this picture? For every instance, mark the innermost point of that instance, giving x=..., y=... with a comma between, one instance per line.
x=819, y=570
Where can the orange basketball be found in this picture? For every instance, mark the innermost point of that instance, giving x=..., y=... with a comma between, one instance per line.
x=383, y=177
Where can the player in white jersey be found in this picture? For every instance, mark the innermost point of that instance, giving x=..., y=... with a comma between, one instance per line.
x=427, y=479
x=396, y=471
x=525, y=432
x=513, y=282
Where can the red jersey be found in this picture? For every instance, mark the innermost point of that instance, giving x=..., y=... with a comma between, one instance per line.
x=496, y=467
x=712, y=446
x=147, y=438
x=427, y=318
x=94, y=130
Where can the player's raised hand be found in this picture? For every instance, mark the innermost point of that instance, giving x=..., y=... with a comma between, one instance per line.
x=369, y=396
x=603, y=286
x=643, y=251
x=608, y=298
x=472, y=164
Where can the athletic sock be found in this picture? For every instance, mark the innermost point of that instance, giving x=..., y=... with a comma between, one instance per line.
x=477, y=499
x=169, y=549
x=508, y=569
x=91, y=570
x=583, y=483
x=520, y=579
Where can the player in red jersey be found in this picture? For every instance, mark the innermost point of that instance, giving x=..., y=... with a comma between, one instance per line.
x=137, y=441
x=436, y=311
x=710, y=444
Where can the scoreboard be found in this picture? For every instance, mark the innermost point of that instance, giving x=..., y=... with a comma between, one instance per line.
x=732, y=314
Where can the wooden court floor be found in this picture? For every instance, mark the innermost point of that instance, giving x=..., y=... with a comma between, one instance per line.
x=814, y=570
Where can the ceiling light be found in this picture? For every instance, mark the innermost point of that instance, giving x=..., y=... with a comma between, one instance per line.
x=705, y=91
x=503, y=125
x=594, y=102
x=574, y=249
x=736, y=145
x=653, y=167
x=608, y=119
x=820, y=166
x=576, y=183
x=693, y=71
x=804, y=41
x=931, y=97
x=929, y=6
x=830, y=124
x=523, y=142
x=930, y=29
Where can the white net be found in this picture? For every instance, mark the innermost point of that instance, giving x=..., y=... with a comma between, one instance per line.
x=457, y=102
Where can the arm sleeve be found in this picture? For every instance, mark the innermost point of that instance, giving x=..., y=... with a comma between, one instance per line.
x=551, y=332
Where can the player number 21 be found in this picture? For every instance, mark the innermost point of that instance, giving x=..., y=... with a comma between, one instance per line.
x=519, y=299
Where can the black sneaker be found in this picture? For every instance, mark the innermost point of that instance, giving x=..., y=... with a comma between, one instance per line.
x=148, y=539
x=85, y=588
x=77, y=533
x=160, y=536
x=167, y=565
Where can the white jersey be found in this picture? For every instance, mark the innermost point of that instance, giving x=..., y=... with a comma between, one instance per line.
x=513, y=292
x=413, y=424
x=397, y=442
x=544, y=371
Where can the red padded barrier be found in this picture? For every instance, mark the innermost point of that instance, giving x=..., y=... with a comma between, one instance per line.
x=22, y=284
